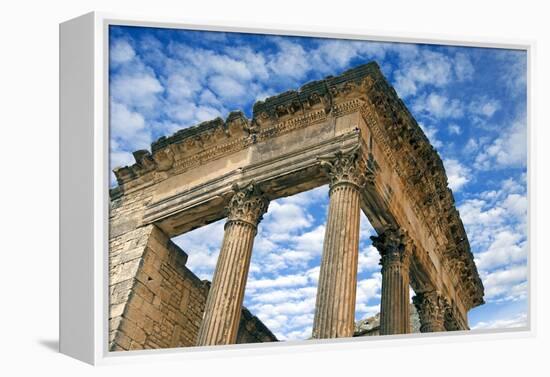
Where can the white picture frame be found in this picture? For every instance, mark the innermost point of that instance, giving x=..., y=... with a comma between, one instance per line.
x=84, y=197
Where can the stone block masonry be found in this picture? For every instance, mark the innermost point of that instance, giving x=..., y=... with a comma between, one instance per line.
x=156, y=301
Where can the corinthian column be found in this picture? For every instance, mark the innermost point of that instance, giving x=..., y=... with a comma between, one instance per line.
x=335, y=307
x=225, y=299
x=431, y=308
x=394, y=305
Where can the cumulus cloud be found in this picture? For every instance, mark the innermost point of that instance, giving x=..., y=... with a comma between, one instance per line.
x=137, y=87
x=457, y=174
x=507, y=247
x=427, y=68
x=519, y=320
x=280, y=281
x=202, y=246
x=513, y=71
x=291, y=61
x=496, y=226
x=438, y=106
x=506, y=284
x=484, y=106
x=128, y=126
x=431, y=134
x=369, y=259
x=463, y=67
x=507, y=150
x=121, y=51
x=454, y=129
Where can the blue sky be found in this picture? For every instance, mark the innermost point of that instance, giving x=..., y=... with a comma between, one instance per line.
x=470, y=102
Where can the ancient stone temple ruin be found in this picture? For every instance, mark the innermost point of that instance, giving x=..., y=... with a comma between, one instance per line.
x=349, y=131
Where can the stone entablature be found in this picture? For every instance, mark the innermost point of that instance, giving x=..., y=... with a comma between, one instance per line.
x=351, y=131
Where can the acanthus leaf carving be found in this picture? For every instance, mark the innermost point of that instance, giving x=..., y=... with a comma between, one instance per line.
x=394, y=247
x=347, y=167
x=248, y=204
x=431, y=307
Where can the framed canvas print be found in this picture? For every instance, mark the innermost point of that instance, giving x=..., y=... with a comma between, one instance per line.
x=229, y=189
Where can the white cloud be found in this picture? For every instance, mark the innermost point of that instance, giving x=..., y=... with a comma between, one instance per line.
x=118, y=159
x=479, y=214
x=507, y=284
x=471, y=147
x=514, y=71
x=495, y=222
x=202, y=246
x=283, y=219
x=438, y=106
x=281, y=281
x=427, y=68
x=281, y=295
x=484, y=106
x=365, y=228
x=333, y=55
x=458, y=174
x=226, y=87
x=183, y=84
x=312, y=241
x=128, y=126
x=516, y=205
x=365, y=311
x=507, y=150
x=464, y=69
x=121, y=52
x=208, y=62
x=369, y=288
x=507, y=247
x=317, y=195
x=291, y=61
x=136, y=87
x=188, y=113
x=454, y=129
x=419, y=69
x=431, y=134
x=519, y=320
x=369, y=259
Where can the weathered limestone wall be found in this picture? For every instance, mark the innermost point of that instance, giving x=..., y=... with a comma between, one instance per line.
x=165, y=306
x=156, y=301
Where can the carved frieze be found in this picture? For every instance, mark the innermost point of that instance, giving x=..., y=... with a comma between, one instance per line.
x=397, y=133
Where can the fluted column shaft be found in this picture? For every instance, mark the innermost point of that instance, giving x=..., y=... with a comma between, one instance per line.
x=225, y=300
x=336, y=292
x=431, y=308
x=394, y=303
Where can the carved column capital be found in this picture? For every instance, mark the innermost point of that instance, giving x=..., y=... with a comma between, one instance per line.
x=451, y=319
x=394, y=246
x=247, y=205
x=431, y=307
x=347, y=167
